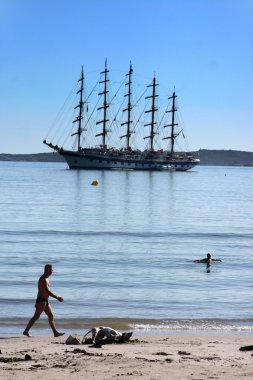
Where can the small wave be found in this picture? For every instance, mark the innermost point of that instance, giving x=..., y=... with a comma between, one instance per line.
x=147, y=234
x=197, y=326
x=142, y=325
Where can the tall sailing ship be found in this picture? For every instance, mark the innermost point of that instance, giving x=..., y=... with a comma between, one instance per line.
x=128, y=157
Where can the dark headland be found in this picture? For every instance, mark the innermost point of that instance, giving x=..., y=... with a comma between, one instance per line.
x=207, y=157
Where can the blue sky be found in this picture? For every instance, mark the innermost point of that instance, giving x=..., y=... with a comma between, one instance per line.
x=202, y=47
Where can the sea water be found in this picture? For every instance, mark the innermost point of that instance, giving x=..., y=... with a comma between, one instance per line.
x=123, y=251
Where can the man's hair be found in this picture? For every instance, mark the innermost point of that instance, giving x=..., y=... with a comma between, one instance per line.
x=47, y=266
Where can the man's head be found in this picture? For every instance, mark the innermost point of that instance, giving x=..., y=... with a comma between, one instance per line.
x=48, y=270
x=209, y=256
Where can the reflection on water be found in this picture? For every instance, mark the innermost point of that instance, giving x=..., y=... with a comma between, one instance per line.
x=208, y=268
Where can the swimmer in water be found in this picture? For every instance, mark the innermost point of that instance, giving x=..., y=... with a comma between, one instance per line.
x=208, y=260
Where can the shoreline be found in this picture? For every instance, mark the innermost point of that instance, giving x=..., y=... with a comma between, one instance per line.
x=140, y=326
x=38, y=333
x=175, y=356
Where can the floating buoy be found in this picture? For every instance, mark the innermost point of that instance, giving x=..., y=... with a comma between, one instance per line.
x=94, y=183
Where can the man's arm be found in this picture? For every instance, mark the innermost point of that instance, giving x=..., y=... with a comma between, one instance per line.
x=51, y=294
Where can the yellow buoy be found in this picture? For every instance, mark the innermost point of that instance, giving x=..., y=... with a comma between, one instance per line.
x=94, y=183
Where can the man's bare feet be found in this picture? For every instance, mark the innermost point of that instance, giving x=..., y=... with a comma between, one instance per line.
x=27, y=334
x=58, y=334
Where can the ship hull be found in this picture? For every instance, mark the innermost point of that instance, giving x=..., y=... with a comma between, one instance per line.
x=81, y=160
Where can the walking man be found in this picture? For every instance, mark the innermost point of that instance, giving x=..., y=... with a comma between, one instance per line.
x=42, y=303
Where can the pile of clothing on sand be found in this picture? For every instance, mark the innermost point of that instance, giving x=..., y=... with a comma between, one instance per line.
x=101, y=335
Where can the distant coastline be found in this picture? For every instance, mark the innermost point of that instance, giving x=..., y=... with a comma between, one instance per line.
x=207, y=157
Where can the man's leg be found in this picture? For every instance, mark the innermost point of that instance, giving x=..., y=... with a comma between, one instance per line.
x=40, y=306
x=51, y=321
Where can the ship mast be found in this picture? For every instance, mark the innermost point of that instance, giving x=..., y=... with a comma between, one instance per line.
x=79, y=118
x=104, y=107
x=173, y=135
x=152, y=110
x=128, y=108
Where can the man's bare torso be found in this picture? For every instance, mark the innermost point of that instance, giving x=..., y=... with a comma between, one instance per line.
x=43, y=286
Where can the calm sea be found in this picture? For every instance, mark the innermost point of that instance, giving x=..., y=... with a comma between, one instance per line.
x=123, y=251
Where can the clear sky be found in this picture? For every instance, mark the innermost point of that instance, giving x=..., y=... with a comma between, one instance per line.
x=202, y=47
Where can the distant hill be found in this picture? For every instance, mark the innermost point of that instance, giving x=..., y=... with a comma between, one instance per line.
x=207, y=157
x=36, y=157
x=225, y=157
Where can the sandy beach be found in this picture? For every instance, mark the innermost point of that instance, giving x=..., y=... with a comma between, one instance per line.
x=175, y=356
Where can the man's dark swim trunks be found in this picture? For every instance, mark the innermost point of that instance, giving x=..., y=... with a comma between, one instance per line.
x=41, y=299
